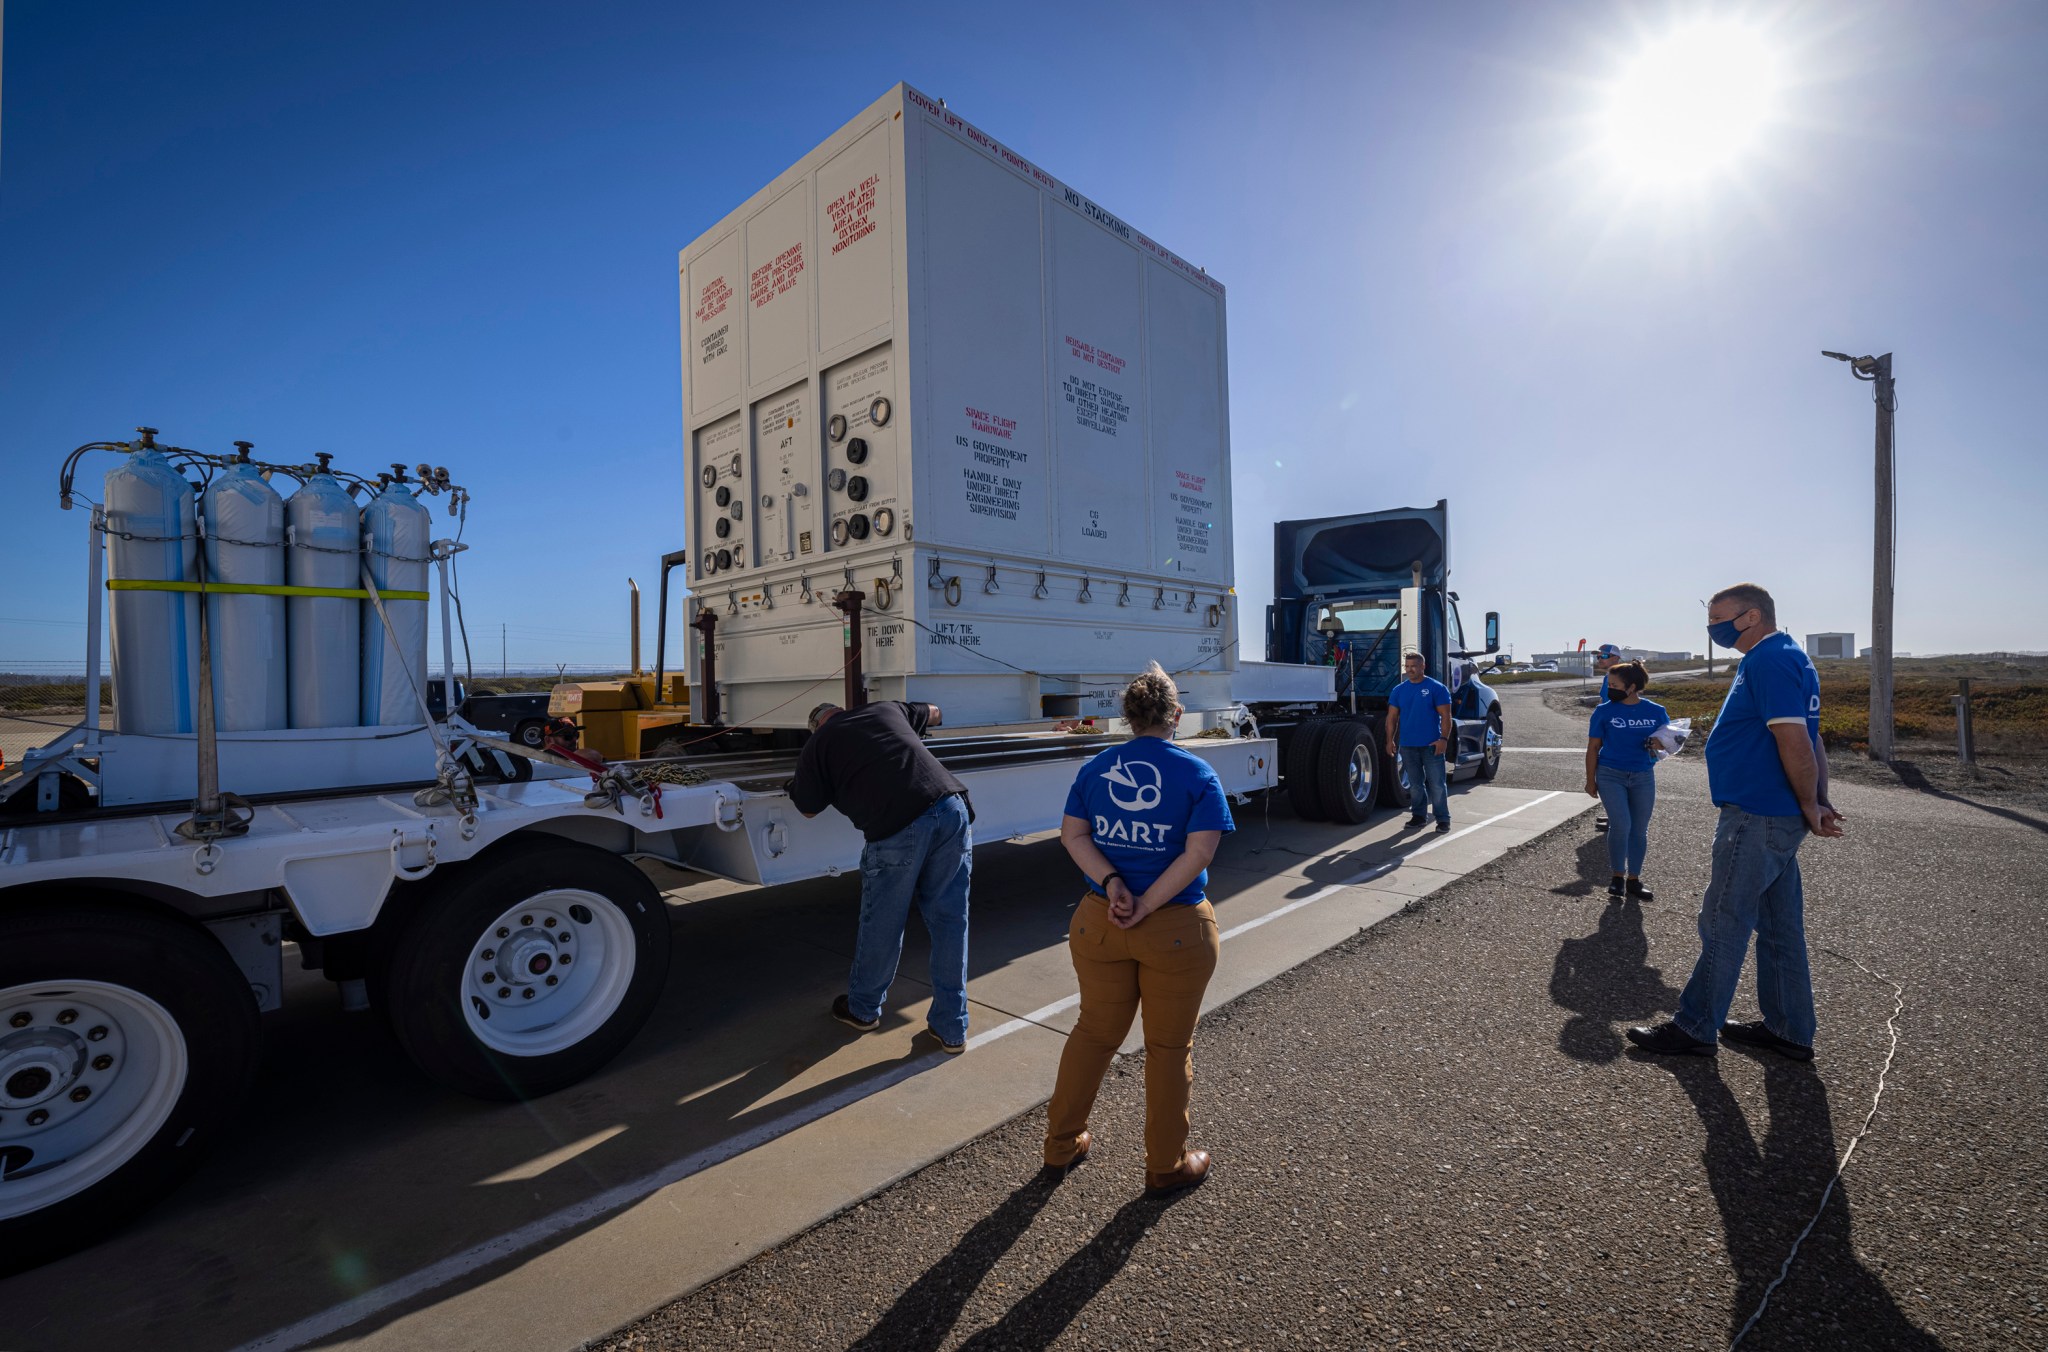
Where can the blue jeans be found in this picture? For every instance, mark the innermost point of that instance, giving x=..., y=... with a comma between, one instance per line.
x=1628, y=796
x=1755, y=887
x=930, y=861
x=1425, y=769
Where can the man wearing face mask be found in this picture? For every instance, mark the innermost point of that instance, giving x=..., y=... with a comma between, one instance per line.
x=1767, y=771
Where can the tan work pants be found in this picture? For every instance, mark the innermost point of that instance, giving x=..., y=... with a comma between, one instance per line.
x=1162, y=963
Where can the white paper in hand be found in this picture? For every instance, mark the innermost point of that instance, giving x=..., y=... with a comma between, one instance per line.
x=1669, y=740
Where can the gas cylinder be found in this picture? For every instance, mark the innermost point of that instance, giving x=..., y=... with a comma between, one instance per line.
x=396, y=531
x=153, y=635
x=244, y=529
x=324, y=634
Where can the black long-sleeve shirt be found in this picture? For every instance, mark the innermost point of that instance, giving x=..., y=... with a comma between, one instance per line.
x=872, y=764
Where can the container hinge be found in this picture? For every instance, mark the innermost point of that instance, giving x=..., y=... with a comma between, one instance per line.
x=767, y=597
x=732, y=601
x=1190, y=606
x=935, y=582
x=1086, y=593
x=991, y=586
x=804, y=581
x=1159, y=601
x=896, y=571
x=1041, y=591
x=1123, y=596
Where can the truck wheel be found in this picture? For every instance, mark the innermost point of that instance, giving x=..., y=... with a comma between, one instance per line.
x=528, y=971
x=1395, y=790
x=532, y=733
x=1348, y=772
x=73, y=795
x=127, y=1042
x=1489, y=761
x=1301, y=768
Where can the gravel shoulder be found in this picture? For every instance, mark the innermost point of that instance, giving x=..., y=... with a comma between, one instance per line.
x=1431, y=1135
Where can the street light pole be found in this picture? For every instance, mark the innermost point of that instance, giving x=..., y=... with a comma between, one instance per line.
x=1877, y=371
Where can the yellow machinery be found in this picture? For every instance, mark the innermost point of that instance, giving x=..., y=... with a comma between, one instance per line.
x=624, y=719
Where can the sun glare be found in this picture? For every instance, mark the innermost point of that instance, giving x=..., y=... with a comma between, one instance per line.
x=1690, y=104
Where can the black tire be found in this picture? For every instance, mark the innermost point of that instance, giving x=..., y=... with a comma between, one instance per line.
x=1394, y=789
x=533, y=733
x=73, y=795
x=1348, y=772
x=1489, y=761
x=426, y=989
x=1301, y=768
x=203, y=1013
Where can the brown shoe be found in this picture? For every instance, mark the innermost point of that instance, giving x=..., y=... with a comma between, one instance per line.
x=1081, y=1144
x=1194, y=1168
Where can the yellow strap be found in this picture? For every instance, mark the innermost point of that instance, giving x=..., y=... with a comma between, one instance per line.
x=258, y=589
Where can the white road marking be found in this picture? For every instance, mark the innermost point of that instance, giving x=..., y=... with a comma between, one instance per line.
x=338, y=1317
x=1377, y=870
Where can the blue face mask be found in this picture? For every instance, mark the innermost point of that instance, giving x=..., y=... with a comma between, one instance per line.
x=1724, y=634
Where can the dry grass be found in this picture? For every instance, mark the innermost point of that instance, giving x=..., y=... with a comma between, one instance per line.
x=2009, y=701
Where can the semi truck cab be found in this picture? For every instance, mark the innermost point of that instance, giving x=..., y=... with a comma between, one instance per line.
x=1352, y=594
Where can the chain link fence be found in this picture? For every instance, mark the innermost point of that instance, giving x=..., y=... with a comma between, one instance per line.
x=39, y=703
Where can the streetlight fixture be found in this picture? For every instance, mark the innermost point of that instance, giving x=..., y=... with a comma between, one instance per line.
x=1877, y=371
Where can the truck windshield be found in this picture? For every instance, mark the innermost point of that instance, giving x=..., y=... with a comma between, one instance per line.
x=1359, y=617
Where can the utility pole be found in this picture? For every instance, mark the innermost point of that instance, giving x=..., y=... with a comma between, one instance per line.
x=504, y=665
x=1877, y=371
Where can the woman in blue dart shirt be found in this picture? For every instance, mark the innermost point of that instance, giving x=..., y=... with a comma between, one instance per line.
x=1143, y=821
x=1620, y=773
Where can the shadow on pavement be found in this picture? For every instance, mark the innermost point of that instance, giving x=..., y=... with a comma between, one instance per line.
x=1767, y=1191
x=1605, y=979
x=929, y=1307
x=1911, y=776
x=1038, y=1320
x=1593, y=870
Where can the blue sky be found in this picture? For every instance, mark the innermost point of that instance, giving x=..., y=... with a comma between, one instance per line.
x=448, y=233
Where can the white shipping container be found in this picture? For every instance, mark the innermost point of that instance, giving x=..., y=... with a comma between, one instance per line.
x=919, y=365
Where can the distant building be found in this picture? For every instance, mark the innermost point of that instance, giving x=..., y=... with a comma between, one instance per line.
x=1831, y=645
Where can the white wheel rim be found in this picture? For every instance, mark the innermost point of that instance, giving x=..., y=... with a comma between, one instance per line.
x=548, y=973
x=89, y=1073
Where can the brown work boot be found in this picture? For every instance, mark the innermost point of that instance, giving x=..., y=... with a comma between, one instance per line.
x=1081, y=1144
x=1194, y=1168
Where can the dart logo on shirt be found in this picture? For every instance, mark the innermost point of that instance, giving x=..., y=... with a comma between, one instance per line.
x=1140, y=778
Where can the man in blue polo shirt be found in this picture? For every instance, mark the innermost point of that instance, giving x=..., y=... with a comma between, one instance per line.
x=1767, y=771
x=1419, y=726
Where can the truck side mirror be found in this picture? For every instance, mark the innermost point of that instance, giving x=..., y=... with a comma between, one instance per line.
x=1493, y=631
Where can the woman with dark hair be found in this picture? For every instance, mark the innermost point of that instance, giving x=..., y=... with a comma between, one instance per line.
x=1620, y=772
x=1143, y=821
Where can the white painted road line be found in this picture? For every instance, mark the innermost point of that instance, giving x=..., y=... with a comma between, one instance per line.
x=1377, y=870
x=1036, y=1016
x=338, y=1317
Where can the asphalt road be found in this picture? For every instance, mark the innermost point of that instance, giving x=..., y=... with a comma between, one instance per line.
x=1433, y=1136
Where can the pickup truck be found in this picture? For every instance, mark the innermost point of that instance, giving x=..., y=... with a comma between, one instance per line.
x=520, y=718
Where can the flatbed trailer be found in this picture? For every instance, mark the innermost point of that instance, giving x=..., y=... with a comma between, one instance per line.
x=511, y=943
